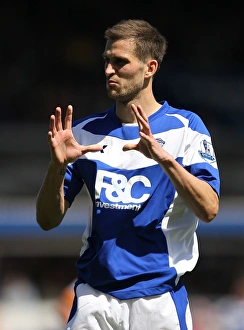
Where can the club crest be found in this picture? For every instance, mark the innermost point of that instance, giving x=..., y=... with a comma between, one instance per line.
x=161, y=142
x=207, y=152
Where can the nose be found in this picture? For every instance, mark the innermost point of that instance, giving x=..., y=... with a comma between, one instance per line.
x=109, y=69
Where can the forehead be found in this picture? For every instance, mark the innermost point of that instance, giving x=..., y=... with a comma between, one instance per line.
x=120, y=48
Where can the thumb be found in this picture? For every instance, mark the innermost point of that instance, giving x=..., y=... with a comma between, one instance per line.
x=130, y=146
x=92, y=148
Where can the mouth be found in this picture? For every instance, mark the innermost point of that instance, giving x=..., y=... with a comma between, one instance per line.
x=112, y=82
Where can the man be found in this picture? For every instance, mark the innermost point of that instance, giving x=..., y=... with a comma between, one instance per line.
x=150, y=179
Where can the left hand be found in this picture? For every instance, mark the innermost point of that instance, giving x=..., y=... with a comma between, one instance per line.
x=147, y=145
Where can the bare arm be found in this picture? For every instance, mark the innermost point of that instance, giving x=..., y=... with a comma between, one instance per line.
x=51, y=205
x=64, y=149
x=197, y=195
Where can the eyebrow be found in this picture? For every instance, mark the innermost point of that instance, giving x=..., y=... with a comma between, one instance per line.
x=104, y=55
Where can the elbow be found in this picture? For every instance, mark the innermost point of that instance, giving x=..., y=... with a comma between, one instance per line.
x=210, y=208
x=48, y=220
x=209, y=213
x=44, y=223
x=45, y=226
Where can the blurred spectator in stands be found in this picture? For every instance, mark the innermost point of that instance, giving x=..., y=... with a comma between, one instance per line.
x=18, y=287
x=65, y=300
x=204, y=314
x=231, y=307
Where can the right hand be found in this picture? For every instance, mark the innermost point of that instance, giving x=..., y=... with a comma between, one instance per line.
x=63, y=146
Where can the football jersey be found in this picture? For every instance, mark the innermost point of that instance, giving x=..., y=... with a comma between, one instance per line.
x=140, y=238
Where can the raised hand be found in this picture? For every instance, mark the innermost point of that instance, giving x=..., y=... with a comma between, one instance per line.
x=63, y=146
x=147, y=145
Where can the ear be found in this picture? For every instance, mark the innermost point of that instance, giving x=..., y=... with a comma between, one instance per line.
x=152, y=67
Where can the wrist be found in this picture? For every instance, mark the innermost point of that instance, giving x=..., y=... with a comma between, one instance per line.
x=58, y=169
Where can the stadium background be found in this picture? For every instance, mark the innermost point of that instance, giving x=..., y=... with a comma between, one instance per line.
x=50, y=55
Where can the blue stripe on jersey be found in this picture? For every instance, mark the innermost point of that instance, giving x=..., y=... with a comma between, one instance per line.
x=180, y=299
x=112, y=126
x=194, y=121
x=201, y=171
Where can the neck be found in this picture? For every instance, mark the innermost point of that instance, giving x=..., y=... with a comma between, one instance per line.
x=125, y=114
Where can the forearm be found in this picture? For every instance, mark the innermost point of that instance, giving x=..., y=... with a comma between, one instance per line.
x=197, y=195
x=50, y=205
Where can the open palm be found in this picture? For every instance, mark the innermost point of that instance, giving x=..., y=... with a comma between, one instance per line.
x=63, y=146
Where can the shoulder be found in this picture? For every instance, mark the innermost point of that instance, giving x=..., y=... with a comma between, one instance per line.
x=188, y=117
x=97, y=124
x=181, y=111
x=91, y=118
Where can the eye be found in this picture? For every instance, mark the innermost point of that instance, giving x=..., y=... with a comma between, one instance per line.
x=106, y=60
x=119, y=62
x=115, y=62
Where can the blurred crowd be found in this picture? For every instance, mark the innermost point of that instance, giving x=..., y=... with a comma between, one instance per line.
x=22, y=307
x=50, y=55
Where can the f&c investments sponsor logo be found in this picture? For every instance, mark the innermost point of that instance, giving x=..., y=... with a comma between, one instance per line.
x=116, y=191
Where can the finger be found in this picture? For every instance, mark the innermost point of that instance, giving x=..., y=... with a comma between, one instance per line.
x=138, y=117
x=142, y=113
x=49, y=137
x=58, y=121
x=144, y=136
x=91, y=148
x=130, y=146
x=142, y=116
x=52, y=128
x=68, y=117
x=144, y=120
x=135, y=110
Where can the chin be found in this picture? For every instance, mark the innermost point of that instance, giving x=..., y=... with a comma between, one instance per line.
x=112, y=95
